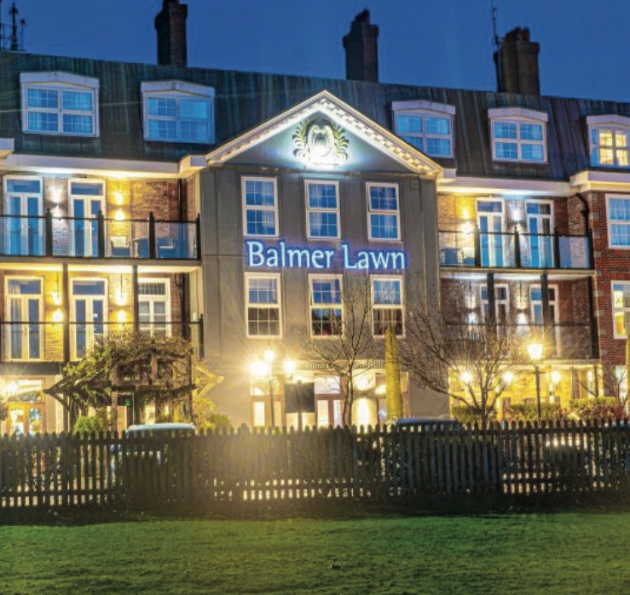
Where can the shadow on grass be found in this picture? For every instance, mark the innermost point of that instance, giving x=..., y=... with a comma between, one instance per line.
x=488, y=506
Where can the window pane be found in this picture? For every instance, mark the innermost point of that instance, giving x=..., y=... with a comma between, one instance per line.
x=261, y=223
x=439, y=147
x=323, y=225
x=193, y=108
x=409, y=124
x=263, y=290
x=25, y=286
x=532, y=152
x=322, y=196
x=326, y=291
x=384, y=226
x=23, y=186
x=506, y=150
x=415, y=141
x=438, y=126
x=387, y=292
x=43, y=122
x=162, y=129
x=43, y=98
x=162, y=106
x=152, y=289
x=531, y=132
x=259, y=193
x=619, y=209
x=383, y=198
x=77, y=101
x=505, y=130
x=75, y=124
x=88, y=288
x=194, y=131
x=83, y=189
x=264, y=322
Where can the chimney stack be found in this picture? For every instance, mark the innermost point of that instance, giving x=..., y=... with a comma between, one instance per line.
x=170, y=25
x=362, y=49
x=516, y=62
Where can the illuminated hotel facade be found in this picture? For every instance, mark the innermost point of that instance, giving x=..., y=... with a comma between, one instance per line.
x=234, y=208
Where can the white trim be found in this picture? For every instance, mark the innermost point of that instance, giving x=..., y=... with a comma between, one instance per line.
x=400, y=307
x=608, y=120
x=7, y=146
x=588, y=180
x=424, y=113
x=518, y=116
x=423, y=105
x=369, y=185
x=518, y=113
x=451, y=183
x=176, y=86
x=88, y=224
x=337, y=210
x=57, y=77
x=73, y=313
x=614, y=125
x=505, y=301
x=245, y=207
x=555, y=302
x=343, y=114
x=278, y=279
x=42, y=327
x=608, y=221
x=552, y=214
x=614, y=310
x=156, y=298
x=312, y=306
x=7, y=208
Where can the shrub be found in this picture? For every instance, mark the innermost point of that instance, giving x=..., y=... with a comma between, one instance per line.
x=600, y=408
x=528, y=412
x=92, y=424
x=465, y=414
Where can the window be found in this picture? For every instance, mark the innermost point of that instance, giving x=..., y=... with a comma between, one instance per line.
x=175, y=111
x=536, y=302
x=387, y=305
x=618, y=208
x=426, y=125
x=326, y=306
x=154, y=307
x=383, y=213
x=518, y=135
x=501, y=303
x=610, y=140
x=322, y=210
x=24, y=223
x=59, y=103
x=260, y=207
x=24, y=307
x=263, y=306
x=87, y=198
x=621, y=308
x=88, y=314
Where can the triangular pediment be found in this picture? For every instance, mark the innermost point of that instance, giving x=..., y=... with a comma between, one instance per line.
x=324, y=132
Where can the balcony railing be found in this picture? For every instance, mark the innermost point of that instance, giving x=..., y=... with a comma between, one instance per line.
x=514, y=250
x=98, y=237
x=36, y=342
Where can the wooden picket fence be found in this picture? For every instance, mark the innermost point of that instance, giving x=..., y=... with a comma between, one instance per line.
x=380, y=463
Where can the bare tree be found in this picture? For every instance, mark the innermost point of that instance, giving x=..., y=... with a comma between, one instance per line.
x=448, y=350
x=342, y=337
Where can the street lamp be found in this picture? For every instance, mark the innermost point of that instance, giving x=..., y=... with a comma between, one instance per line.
x=535, y=351
x=264, y=370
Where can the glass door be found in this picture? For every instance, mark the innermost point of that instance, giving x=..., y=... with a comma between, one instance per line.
x=24, y=307
x=89, y=305
x=25, y=222
x=490, y=221
x=540, y=226
x=87, y=201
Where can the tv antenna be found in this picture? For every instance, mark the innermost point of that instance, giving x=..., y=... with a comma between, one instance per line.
x=12, y=34
x=495, y=13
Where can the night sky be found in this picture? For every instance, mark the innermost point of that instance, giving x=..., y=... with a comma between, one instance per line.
x=585, y=44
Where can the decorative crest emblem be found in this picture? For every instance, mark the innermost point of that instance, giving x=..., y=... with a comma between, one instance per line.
x=320, y=143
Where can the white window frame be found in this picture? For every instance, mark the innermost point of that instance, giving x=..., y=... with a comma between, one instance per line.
x=278, y=306
x=177, y=90
x=245, y=207
x=518, y=116
x=59, y=82
x=7, y=306
x=313, y=306
x=71, y=196
x=610, y=223
x=73, y=313
x=497, y=302
x=371, y=212
x=400, y=307
x=151, y=299
x=625, y=309
x=424, y=109
x=615, y=124
x=7, y=194
x=309, y=210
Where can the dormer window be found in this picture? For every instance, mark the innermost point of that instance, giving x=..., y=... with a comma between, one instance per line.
x=518, y=135
x=59, y=103
x=610, y=140
x=178, y=112
x=425, y=125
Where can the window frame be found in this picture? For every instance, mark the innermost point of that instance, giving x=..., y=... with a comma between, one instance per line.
x=309, y=210
x=245, y=207
x=177, y=90
x=614, y=123
x=72, y=310
x=278, y=306
x=609, y=222
x=156, y=298
x=313, y=306
x=59, y=82
x=42, y=314
x=424, y=109
x=615, y=310
x=401, y=307
x=497, y=302
x=371, y=212
x=518, y=116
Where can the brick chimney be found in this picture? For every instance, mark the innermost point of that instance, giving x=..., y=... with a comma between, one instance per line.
x=170, y=25
x=362, y=49
x=516, y=62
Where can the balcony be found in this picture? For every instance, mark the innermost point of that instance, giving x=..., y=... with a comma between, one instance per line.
x=98, y=237
x=514, y=250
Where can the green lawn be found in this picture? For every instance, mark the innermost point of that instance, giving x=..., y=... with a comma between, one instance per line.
x=548, y=554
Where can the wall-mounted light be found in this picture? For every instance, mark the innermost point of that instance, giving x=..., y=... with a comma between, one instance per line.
x=56, y=295
x=121, y=316
x=57, y=316
x=118, y=197
x=119, y=215
x=56, y=212
x=467, y=228
x=508, y=377
x=122, y=296
x=556, y=377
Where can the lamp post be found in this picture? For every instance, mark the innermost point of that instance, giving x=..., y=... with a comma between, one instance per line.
x=535, y=351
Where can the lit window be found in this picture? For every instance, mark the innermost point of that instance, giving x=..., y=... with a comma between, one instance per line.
x=322, y=209
x=25, y=314
x=326, y=308
x=536, y=302
x=154, y=307
x=621, y=309
x=426, y=125
x=59, y=103
x=518, y=135
x=609, y=137
x=618, y=221
x=263, y=306
x=260, y=207
x=383, y=212
x=387, y=305
x=88, y=311
x=175, y=111
x=501, y=303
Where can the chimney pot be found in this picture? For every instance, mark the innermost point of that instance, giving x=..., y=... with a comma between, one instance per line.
x=516, y=63
x=361, y=45
x=170, y=24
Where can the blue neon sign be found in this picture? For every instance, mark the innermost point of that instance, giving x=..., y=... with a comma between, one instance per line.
x=281, y=256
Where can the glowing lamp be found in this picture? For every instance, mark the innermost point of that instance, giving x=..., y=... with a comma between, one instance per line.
x=269, y=355
x=121, y=316
x=57, y=316
x=508, y=377
x=535, y=351
x=260, y=369
x=119, y=215
x=556, y=377
x=466, y=377
x=289, y=367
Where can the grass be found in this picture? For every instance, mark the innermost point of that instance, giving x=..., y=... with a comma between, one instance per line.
x=550, y=554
